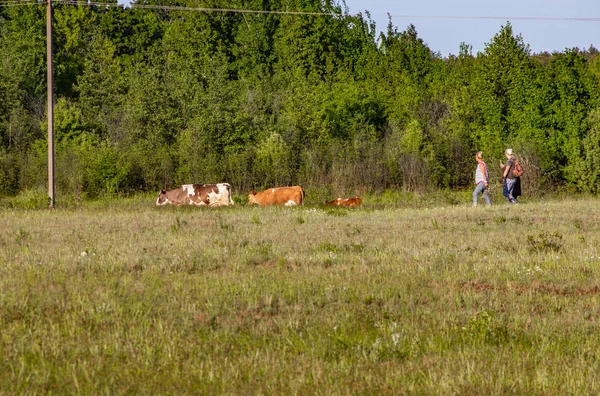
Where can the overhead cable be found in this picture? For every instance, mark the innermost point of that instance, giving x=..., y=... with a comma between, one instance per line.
x=9, y=3
x=16, y=5
x=13, y=3
x=504, y=18
x=197, y=9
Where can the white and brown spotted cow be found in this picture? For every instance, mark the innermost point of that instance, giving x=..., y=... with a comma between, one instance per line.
x=197, y=194
x=288, y=196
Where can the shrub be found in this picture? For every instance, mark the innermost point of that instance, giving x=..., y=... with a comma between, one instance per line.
x=545, y=242
x=36, y=198
x=9, y=172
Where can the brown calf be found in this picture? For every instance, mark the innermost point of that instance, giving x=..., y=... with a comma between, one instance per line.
x=288, y=196
x=348, y=202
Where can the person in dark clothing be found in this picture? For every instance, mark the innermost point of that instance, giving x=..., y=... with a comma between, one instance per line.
x=517, y=190
x=511, y=184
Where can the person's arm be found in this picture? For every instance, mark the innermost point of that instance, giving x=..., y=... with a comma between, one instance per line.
x=484, y=173
x=509, y=165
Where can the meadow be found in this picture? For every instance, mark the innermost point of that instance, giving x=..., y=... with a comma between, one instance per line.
x=426, y=297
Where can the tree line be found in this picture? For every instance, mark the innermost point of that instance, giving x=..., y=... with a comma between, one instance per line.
x=147, y=99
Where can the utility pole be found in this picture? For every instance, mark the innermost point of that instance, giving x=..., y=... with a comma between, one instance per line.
x=50, y=103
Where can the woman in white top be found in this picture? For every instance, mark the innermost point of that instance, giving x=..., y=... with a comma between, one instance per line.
x=481, y=180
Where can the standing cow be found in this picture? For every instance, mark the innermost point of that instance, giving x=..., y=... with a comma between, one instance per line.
x=197, y=194
x=288, y=196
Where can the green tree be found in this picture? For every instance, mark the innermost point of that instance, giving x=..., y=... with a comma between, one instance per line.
x=587, y=168
x=102, y=91
x=575, y=93
x=500, y=84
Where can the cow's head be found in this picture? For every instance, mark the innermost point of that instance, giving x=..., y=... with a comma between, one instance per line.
x=252, y=198
x=335, y=202
x=162, y=198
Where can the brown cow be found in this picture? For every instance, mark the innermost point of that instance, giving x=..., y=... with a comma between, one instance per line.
x=349, y=202
x=288, y=196
x=197, y=194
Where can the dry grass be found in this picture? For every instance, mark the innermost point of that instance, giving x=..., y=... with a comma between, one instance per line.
x=123, y=297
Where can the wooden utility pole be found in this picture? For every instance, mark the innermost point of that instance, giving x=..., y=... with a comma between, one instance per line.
x=50, y=103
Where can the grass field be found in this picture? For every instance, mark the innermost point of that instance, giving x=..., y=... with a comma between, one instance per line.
x=122, y=297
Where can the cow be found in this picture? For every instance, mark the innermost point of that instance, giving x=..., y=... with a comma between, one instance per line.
x=197, y=194
x=288, y=196
x=348, y=202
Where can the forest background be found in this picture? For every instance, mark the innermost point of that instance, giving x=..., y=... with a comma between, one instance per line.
x=149, y=99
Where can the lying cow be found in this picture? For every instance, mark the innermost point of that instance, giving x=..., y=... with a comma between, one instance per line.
x=349, y=202
x=197, y=194
x=288, y=196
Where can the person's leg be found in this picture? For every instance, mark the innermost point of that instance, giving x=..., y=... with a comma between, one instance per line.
x=476, y=192
x=505, y=190
x=486, y=197
x=517, y=190
x=510, y=186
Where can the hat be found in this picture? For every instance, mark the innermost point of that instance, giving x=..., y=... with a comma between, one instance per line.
x=509, y=151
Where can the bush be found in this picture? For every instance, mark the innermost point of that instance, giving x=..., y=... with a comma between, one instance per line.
x=273, y=161
x=587, y=168
x=30, y=199
x=106, y=172
x=9, y=173
x=545, y=242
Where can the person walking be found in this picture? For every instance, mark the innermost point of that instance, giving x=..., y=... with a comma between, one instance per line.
x=481, y=180
x=509, y=180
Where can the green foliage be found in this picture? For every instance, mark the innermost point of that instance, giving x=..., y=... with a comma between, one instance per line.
x=586, y=169
x=502, y=78
x=484, y=327
x=9, y=168
x=149, y=99
x=107, y=172
x=68, y=122
x=272, y=161
x=30, y=199
x=336, y=211
x=545, y=242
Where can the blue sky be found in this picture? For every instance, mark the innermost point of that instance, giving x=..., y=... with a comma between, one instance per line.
x=445, y=35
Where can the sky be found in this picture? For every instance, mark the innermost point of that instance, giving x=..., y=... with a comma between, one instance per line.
x=445, y=35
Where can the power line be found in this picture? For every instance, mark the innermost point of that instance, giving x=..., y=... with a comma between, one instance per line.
x=8, y=3
x=505, y=18
x=18, y=3
x=15, y=5
x=226, y=10
x=197, y=9
x=246, y=11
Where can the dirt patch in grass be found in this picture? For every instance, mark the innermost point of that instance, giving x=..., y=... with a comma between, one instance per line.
x=265, y=264
x=478, y=286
